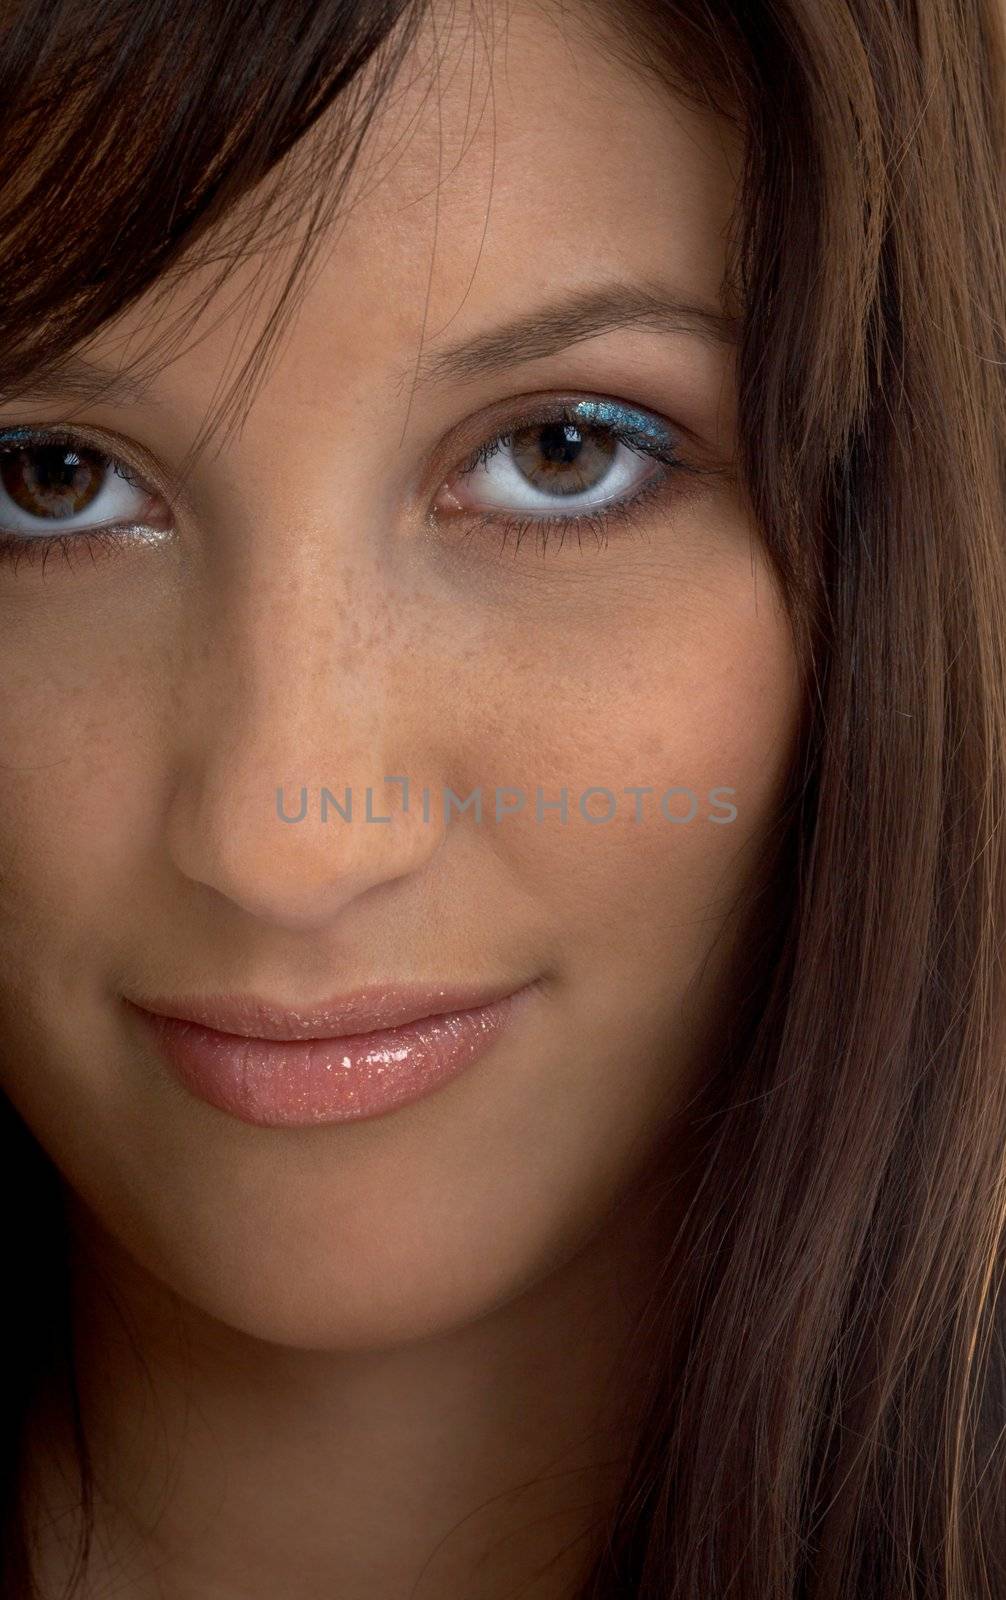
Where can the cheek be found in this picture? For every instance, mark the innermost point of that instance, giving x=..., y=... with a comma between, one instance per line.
x=78, y=782
x=685, y=709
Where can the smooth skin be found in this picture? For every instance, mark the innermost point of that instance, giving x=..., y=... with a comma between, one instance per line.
x=366, y=1342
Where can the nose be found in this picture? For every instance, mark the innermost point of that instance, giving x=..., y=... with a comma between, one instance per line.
x=294, y=790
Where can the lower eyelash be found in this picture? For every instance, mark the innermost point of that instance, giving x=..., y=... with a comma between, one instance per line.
x=37, y=548
x=625, y=513
x=32, y=548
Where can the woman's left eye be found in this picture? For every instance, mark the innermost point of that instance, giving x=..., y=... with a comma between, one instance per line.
x=566, y=465
x=54, y=488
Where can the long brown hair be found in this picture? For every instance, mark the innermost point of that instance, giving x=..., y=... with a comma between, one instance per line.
x=825, y=1349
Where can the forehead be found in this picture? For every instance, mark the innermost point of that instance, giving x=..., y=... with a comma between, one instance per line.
x=536, y=139
x=514, y=152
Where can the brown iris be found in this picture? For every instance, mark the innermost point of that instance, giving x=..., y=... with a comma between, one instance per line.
x=52, y=480
x=562, y=445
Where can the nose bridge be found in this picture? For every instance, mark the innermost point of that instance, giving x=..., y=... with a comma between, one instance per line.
x=289, y=734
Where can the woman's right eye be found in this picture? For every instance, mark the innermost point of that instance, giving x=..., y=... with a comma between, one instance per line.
x=51, y=483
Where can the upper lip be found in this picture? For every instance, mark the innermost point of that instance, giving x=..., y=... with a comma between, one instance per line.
x=361, y=1011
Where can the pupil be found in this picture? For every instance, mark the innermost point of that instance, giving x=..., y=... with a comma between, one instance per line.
x=58, y=468
x=561, y=442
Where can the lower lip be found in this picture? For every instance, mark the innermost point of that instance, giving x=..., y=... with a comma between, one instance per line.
x=299, y=1083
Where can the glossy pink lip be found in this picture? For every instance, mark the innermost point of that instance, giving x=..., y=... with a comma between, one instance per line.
x=358, y=1011
x=357, y=1056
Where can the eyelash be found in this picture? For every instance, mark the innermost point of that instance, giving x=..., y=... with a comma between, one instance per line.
x=625, y=512
x=32, y=548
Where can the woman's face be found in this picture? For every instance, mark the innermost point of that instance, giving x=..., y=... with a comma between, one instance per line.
x=341, y=597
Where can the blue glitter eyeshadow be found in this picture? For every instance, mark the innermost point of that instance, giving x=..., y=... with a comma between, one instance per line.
x=626, y=419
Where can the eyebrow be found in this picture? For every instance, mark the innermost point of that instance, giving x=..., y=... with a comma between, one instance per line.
x=77, y=378
x=576, y=315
